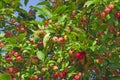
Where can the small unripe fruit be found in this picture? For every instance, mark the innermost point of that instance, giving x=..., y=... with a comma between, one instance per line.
x=103, y=14
x=55, y=39
x=111, y=6
x=2, y=44
x=70, y=52
x=97, y=60
x=49, y=21
x=43, y=70
x=23, y=29
x=57, y=24
x=55, y=68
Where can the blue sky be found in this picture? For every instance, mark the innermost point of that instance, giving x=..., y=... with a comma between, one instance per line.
x=31, y=3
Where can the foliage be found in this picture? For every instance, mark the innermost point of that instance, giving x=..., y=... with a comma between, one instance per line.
x=74, y=40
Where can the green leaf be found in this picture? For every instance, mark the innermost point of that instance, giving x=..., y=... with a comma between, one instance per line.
x=5, y=76
x=44, y=3
x=61, y=19
x=44, y=11
x=11, y=40
x=46, y=39
x=1, y=4
x=2, y=35
x=21, y=37
x=115, y=78
x=7, y=1
x=93, y=48
x=25, y=2
x=60, y=9
x=41, y=55
x=90, y=2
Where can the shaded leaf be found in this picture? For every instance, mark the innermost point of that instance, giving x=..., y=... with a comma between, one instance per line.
x=25, y=2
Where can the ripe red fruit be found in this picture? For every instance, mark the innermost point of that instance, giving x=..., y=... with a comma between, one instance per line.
x=107, y=10
x=62, y=74
x=16, y=54
x=84, y=20
x=9, y=59
x=12, y=52
x=55, y=75
x=72, y=15
x=19, y=58
x=7, y=34
x=17, y=28
x=10, y=70
x=30, y=79
x=31, y=41
x=77, y=77
x=15, y=70
x=7, y=56
x=104, y=78
x=80, y=55
x=118, y=15
x=42, y=78
x=40, y=43
x=61, y=40
x=35, y=77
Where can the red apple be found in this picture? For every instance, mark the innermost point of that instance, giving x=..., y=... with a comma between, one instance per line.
x=10, y=70
x=61, y=40
x=19, y=58
x=72, y=15
x=55, y=75
x=107, y=10
x=118, y=15
x=16, y=54
x=35, y=77
x=62, y=74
